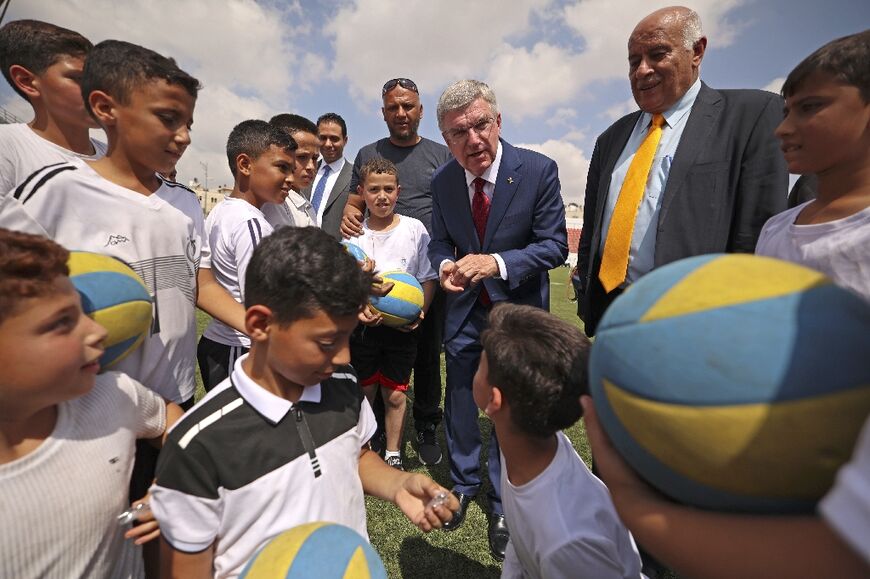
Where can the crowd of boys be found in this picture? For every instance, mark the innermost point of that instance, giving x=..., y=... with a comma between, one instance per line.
x=294, y=358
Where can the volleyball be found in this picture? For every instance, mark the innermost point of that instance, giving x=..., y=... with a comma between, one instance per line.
x=355, y=250
x=734, y=382
x=322, y=550
x=116, y=298
x=403, y=304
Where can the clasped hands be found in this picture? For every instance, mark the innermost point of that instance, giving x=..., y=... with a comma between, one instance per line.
x=469, y=270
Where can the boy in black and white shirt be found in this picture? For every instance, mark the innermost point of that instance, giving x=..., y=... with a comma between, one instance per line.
x=282, y=441
x=262, y=163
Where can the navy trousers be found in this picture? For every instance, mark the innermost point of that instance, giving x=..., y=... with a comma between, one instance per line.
x=461, y=416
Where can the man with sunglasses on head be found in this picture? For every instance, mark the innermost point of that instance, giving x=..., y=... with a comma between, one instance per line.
x=498, y=227
x=416, y=158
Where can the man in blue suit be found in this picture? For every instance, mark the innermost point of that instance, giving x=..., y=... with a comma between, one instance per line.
x=498, y=227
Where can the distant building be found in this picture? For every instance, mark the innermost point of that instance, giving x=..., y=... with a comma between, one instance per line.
x=575, y=228
x=573, y=210
x=208, y=198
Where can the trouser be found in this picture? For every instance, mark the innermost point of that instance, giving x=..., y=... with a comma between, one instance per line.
x=427, y=366
x=216, y=361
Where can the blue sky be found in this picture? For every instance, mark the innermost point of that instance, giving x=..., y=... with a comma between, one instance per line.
x=558, y=66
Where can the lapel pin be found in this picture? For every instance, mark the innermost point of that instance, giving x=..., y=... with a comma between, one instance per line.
x=510, y=180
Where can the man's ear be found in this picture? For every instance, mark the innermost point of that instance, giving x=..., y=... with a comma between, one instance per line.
x=496, y=401
x=258, y=320
x=25, y=81
x=359, y=189
x=103, y=107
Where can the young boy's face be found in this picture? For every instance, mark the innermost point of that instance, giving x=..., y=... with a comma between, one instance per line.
x=49, y=350
x=272, y=175
x=153, y=127
x=380, y=191
x=306, y=159
x=826, y=124
x=61, y=93
x=307, y=351
x=481, y=388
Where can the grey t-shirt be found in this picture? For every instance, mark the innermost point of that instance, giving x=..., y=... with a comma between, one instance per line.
x=416, y=165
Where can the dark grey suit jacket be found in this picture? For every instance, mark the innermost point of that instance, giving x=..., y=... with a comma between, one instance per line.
x=335, y=200
x=727, y=178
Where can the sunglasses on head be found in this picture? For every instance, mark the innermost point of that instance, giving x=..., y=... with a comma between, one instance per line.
x=405, y=83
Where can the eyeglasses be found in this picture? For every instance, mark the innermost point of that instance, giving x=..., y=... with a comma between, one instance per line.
x=458, y=136
x=402, y=82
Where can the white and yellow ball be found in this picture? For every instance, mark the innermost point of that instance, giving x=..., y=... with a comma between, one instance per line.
x=403, y=304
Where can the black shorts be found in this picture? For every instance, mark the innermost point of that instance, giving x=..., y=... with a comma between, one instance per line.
x=382, y=355
x=216, y=361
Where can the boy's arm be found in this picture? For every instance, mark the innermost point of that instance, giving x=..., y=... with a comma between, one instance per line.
x=707, y=544
x=174, y=563
x=173, y=413
x=410, y=492
x=217, y=302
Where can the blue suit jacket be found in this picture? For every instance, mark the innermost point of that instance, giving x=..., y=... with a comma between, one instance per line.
x=526, y=227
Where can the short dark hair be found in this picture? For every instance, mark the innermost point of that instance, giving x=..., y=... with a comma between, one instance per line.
x=297, y=271
x=117, y=68
x=377, y=165
x=333, y=118
x=539, y=363
x=294, y=123
x=845, y=58
x=36, y=45
x=253, y=138
x=29, y=264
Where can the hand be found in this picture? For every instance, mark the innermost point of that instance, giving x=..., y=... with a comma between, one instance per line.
x=474, y=268
x=447, y=278
x=413, y=325
x=413, y=497
x=624, y=484
x=147, y=529
x=368, y=316
x=351, y=222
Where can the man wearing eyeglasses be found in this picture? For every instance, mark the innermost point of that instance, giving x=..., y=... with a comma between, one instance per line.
x=416, y=158
x=498, y=227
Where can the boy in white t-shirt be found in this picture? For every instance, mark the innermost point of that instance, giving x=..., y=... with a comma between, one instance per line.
x=826, y=131
x=384, y=357
x=67, y=434
x=562, y=522
x=43, y=64
x=261, y=161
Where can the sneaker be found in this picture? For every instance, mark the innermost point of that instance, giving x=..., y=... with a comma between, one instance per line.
x=395, y=462
x=378, y=443
x=427, y=446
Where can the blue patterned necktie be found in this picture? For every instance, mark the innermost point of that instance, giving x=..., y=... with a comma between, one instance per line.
x=317, y=198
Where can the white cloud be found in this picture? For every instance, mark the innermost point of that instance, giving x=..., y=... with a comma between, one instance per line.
x=561, y=117
x=619, y=110
x=573, y=167
x=775, y=85
x=434, y=43
x=242, y=51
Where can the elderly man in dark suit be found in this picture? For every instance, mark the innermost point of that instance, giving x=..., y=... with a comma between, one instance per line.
x=498, y=227
x=695, y=171
x=328, y=192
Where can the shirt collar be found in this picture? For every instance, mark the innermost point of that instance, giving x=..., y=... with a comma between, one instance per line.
x=335, y=166
x=675, y=114
x=491, y=172
x=272, y=407
x=297, y=200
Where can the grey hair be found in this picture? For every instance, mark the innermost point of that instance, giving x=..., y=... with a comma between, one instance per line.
x=692, y=31
x=462, y=93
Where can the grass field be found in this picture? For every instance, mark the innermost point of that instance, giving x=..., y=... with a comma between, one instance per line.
x=406, y=552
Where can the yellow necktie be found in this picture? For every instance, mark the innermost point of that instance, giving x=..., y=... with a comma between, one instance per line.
x=614, y=261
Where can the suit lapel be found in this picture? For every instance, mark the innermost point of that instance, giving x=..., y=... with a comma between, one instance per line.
x=604, y=177
x=703, y=116
x=507, y=182
x=340, y=184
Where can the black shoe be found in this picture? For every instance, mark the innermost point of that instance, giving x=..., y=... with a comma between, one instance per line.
x=459, y=514
x=427, y=446
x=498, y=536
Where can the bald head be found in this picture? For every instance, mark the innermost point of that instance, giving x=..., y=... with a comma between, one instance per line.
x=665, y=50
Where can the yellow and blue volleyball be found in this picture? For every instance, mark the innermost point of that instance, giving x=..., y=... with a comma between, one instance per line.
x=116, y=298
x=403, y=304
x=355, y=250
x=734, y=382
x=322, y=550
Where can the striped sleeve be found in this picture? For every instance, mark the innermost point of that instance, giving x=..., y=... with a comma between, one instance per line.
x=245, y=239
